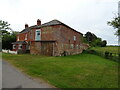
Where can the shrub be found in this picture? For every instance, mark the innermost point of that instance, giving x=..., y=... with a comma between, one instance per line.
x=106, y=54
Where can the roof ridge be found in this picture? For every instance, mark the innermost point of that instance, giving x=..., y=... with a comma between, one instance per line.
x=50, y=23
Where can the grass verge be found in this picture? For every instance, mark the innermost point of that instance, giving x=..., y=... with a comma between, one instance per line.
x=77, y=71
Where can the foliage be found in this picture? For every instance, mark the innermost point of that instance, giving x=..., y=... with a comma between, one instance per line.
x=93, y=40
x=4, y=25
x=77, y=71
x=90, y=37
x=103, y=44
x=7, y=36
x=116, y=24
x=7, y=39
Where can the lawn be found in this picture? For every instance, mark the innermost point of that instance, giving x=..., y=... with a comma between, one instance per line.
x=111, y=49
x=77, y=71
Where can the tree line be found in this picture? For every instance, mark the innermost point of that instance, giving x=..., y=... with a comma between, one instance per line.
x=93, y=40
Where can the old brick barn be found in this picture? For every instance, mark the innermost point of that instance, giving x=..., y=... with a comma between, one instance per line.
x=53, y=38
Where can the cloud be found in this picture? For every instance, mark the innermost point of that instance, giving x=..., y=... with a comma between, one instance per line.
x=82, y=15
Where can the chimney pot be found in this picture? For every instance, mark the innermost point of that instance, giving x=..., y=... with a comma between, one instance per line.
x=38, y=22
x=26, y=25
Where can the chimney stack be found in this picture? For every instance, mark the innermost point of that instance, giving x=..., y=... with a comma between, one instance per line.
x=38, y=22
x=26, y=25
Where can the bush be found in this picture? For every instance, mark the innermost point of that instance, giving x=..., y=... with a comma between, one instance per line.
x=106, y=54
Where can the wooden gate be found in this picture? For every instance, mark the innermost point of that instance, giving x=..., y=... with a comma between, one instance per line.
x=47, y=48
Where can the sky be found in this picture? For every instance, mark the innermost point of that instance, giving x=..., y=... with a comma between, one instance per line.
x=81, y=15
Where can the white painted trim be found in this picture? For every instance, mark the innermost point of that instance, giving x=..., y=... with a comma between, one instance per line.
x=36, y=34
x=26, y=36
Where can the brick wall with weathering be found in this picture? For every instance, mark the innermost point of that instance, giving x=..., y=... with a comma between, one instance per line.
x=69, y=41
x=35, y=47
x=27, y=36
x=66, y=40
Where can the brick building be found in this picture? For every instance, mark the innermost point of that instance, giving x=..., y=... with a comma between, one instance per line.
x=53, y=38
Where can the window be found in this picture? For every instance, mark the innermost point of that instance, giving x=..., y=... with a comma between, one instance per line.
x=62, y=45
x=14, y=46
x=18, y=38
x=20, y=46
x=26, y=37
x=72, y=46
x=37, y=35
x=74, y=38
x=77, y=47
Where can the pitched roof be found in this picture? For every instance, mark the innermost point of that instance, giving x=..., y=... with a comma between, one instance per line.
x=53, y=22
x=19, y=42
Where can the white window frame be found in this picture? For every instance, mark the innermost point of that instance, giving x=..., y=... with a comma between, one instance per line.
x=77, y=46
x=72, y=46
x=18, y=38
x=74, y=38
x=14, y=46
x=36, y=34
x=25, y=36
x=20, y=46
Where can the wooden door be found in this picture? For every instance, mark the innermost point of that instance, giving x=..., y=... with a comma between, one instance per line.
x=47, y=48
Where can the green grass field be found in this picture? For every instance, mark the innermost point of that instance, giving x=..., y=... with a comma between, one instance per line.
x=112, y=49
x=77, y=71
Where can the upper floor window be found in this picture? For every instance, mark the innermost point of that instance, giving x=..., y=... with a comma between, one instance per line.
x=26, y=37
x=74, y=38
x=18, y=38
x=38, y=35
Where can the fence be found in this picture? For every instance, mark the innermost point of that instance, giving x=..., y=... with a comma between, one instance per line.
x=108, y=55
x=9, y=51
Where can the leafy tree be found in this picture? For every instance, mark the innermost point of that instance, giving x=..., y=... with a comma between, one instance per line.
x=98, y=42
x=116, y=24
x=103, y=44
x=5, y=36
x=7, y=39
x=4, y=25
x=93, y=40
x=90, y=37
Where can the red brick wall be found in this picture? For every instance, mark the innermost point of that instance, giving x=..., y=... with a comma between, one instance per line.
x=63, y=36
x=35, y=47
x=30, y=36
x=50, y=32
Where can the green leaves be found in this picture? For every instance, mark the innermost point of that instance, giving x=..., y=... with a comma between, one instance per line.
x=4, y=25
x=7, y=39
x=116, y=24
x=93, y=40
x=6, y=36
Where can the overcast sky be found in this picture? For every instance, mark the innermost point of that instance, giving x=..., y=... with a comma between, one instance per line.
x=82, y=15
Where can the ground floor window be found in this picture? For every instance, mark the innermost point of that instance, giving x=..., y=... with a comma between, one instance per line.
x=20, y=46
x=14, y=46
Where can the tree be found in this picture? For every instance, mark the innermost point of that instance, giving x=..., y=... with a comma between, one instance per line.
x=103, y=44
x=93, y=40
x=90, y=37
x=6, y=37
x=4, y=25
x=116, y=24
